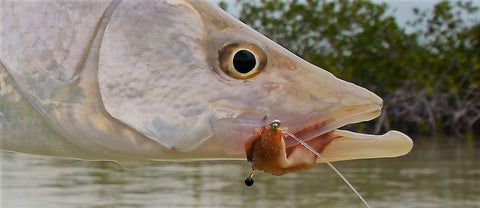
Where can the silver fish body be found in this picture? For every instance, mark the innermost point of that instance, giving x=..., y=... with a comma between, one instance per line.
x=136, y=81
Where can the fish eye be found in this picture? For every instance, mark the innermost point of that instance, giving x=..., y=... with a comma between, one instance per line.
x=244, y=61
x=241, y=60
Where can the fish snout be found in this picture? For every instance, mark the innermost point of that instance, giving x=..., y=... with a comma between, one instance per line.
x=305, y=95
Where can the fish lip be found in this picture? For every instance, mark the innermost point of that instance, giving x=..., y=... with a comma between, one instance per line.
x=314, y=125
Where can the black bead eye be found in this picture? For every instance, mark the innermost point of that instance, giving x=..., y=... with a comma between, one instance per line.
x=244, y=61
x=241, y=60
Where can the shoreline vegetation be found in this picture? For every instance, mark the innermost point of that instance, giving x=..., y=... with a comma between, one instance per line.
x=428, y=77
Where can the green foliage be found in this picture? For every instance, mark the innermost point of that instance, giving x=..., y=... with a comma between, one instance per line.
x=451, y=44
x=429, y=77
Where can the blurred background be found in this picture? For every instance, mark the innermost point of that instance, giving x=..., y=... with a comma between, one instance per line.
x=421, y=57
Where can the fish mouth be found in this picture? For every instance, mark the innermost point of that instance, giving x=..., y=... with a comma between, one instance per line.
x=338, y=145
x=232, y=132
x=320, y=130
x=315, y=125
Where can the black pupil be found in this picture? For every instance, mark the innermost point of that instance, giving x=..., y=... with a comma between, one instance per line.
x=244, y=61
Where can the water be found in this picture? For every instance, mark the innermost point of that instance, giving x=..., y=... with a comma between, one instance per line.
x=433, y=175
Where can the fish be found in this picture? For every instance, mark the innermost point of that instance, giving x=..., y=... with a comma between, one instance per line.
x=166, y=80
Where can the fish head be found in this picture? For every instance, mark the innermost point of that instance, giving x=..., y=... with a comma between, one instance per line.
x=187, y=74
x=279, y=85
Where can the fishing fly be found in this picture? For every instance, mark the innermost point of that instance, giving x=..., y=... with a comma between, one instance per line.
x=273, y=129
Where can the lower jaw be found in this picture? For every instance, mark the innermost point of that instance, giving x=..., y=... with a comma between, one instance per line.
x=338, y=145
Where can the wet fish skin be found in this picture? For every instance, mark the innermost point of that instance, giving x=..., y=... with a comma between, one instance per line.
x=135, y=81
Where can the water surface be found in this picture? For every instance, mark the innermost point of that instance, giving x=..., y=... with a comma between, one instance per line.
x=433, y=175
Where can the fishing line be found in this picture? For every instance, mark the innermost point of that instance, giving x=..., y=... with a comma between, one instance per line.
x=329, y=164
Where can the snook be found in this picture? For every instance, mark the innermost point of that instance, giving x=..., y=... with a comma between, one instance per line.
x=136, y=81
